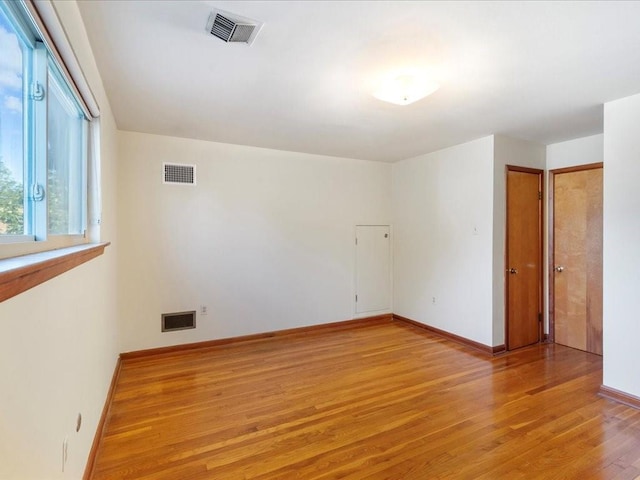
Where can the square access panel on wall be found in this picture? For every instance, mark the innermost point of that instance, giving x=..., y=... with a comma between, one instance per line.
x=178, y=174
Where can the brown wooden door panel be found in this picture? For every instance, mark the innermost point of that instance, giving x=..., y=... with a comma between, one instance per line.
x=577, y=259
x=524, y=258
x=570, y=255
x=594, y=262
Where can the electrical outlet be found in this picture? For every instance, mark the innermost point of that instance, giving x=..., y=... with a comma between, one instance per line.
x=65, y=452
x=203, y=309
x=433, y=300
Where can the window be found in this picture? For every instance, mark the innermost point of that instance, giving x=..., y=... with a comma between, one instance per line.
x=11, y=131
x=43, y=141
x=66, y=160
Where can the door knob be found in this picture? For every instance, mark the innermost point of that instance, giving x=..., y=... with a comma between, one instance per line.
x=512, y=271
x=559, y=268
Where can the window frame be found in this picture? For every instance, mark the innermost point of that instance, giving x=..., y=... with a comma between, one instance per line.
x=41, y=58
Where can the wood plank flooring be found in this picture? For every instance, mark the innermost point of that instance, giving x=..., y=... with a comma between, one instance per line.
x=382, y=401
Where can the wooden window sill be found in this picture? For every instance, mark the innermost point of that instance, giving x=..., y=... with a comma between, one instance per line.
x=19, y=274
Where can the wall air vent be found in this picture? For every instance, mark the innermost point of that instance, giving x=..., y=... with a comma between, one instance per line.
x=176, y=173
x=178, y=321
x=233, y=28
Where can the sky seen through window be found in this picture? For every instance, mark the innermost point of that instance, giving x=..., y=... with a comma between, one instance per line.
x=11, y=122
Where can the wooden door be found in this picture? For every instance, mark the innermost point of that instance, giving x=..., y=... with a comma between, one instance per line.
x=373, y=268
x=524, y=257
x=576, y=268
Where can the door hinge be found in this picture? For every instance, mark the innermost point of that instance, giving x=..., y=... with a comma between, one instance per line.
x=37, y=91
x=356, y=240
x=539, y=195
x=540, y=317
x=356, y=298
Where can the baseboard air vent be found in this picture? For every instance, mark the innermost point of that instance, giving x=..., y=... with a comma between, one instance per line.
x=233, y=28
x=175, y=173
x=178, y=321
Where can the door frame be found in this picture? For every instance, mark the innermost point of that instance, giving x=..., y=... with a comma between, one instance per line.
x=552, y=245
x=540, y=173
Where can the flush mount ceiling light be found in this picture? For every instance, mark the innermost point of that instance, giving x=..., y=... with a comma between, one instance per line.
x=405, y=89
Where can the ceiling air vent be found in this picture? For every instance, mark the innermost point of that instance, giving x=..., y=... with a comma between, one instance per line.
x=232, y=28
x=176, y=173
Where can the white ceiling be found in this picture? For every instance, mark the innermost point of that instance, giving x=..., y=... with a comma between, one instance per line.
x=539, y=71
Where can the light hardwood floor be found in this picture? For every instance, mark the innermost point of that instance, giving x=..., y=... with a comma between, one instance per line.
x=385, y=401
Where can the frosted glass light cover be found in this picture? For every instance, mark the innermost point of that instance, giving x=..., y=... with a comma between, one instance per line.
x=405, y=89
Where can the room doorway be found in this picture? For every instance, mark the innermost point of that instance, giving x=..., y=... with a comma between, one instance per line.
x=523, y=282
x=373, y=269
x=575, y=264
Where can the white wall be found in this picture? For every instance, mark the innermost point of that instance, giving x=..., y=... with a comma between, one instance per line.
x=58, y=345
x=516, y=152
x=265, y=240
x=443, y=231
x=580, y=151
x=449, y=216
x=621, y=277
